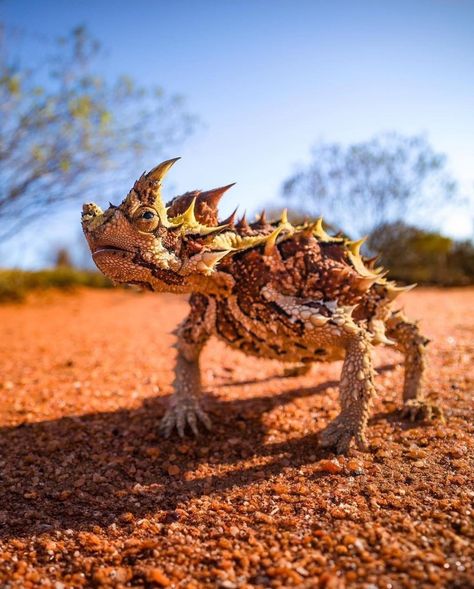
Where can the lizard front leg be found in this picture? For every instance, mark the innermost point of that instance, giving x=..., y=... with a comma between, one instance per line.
x=185, y=407
x=412, y=344
x=356, y=390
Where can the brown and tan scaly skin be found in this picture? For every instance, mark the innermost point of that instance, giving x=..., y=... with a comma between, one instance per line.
x=269, y=289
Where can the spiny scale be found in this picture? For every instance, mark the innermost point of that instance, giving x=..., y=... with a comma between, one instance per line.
x=232, y=238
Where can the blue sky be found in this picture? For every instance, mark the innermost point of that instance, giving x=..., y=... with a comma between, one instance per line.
x=269, y=78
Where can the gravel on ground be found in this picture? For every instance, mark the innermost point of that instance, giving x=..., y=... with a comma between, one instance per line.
x=92, y=496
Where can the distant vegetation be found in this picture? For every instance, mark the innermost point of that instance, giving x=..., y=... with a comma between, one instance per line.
x=15, y=284
x=412, y=255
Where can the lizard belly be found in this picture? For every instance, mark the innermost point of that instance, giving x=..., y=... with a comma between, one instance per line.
x=271, y=340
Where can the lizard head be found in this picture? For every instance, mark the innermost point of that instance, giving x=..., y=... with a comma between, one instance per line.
x=164, y=247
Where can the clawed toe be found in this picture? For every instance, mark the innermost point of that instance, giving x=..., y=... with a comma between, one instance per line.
x=178, y=417
x=339, y=435
x=416, y=410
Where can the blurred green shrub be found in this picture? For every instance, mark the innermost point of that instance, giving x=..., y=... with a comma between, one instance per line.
x=15, y=284
x=412, y=254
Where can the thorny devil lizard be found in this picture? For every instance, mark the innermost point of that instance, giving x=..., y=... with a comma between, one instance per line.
x=269, y=289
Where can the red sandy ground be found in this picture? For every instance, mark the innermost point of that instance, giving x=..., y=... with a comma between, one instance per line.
x=91, y=496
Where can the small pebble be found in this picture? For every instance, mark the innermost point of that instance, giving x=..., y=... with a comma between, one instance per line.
x=332, y=466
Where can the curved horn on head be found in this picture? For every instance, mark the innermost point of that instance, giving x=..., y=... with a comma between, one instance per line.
x=159, y=172
x=152, y=195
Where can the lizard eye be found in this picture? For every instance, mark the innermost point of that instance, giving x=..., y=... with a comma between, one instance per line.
x=147, y=220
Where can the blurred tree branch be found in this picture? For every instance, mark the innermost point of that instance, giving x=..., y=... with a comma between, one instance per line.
x=388, y=178
x=65, y=131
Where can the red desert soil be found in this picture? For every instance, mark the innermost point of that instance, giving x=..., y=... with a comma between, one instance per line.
x=91, y=496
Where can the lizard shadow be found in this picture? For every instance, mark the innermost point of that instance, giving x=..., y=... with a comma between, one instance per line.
x=229, y=382
x=113, y=467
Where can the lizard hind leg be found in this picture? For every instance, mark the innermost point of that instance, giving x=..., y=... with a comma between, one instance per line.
x=336, y=326
x=356, y=390
x=412, y=344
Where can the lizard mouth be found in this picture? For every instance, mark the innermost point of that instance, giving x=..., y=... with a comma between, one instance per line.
x=110, y=250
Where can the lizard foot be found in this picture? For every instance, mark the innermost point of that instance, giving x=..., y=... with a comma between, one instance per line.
x=338, y=435
x=418, y=410
x=184, y=413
